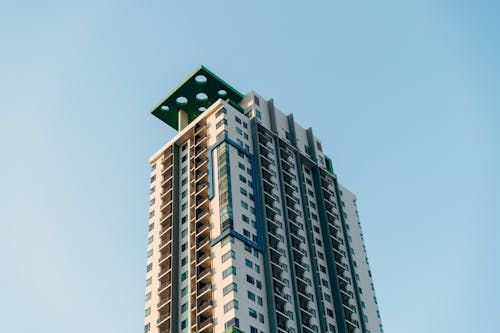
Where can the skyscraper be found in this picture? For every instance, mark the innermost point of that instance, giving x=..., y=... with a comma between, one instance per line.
x=249, y=229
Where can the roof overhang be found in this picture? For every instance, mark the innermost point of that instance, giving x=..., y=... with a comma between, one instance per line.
x=193, y=96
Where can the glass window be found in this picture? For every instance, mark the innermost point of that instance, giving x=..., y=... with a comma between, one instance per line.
x=229, y=288
x=232, y=304
x=229, y=271
x=227, y=255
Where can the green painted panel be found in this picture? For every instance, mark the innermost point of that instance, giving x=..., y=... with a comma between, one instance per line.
x=194, y=95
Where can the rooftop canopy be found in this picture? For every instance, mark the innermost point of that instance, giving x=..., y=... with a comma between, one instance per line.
x=193, y=96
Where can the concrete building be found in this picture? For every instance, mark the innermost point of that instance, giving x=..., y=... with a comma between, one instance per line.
x=249, y=229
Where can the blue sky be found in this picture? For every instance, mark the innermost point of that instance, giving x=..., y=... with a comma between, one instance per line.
x=404, y=95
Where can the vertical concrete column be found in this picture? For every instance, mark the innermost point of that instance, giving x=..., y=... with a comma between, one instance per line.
x=182, y=119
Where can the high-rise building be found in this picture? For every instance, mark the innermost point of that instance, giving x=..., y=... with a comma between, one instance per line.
x=249, y=229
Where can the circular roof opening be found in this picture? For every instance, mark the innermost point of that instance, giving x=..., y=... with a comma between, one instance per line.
x=200, y=79
x=202, y=108
x=201, y=97
x=181, y=101
x=222, y=93
x=164, y=108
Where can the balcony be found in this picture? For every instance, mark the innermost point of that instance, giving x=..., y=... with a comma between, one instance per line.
x=168, y=161
x=203, y=259
x=204, y=275
x=205, y=325
x=165, y=277
x=204, y=290
x=204, y=308
x=164, y=322
x=202, y=188
x=200, y=139
x=202, y=242
x=166, y=243
x=203, y=229
x=200, y=163
x=164, y=290
x=200, y=213
x=164, y=304
x=165, y=264
x=200, y=129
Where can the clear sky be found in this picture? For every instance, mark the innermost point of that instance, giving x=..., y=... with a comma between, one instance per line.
x=404, y=95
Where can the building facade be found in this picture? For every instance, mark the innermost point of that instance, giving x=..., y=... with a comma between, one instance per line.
x=249, y=229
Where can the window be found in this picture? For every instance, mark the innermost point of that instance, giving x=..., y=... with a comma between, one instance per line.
x=252, y=313
x=221, y=111
x=184, y=307
x=228, y=240
x=184, y=291
x=184, y=181
x=231, y=305
x=227, y=255
x=147, y=328
x=256, y=100
x=151, y=214
x=150, y=240
x=148, y=296
x=238, y=120
x=184, y=233
x=251, y=296
x=153, y=178
x=150, y=253
x=184, y=276
x=220, y=123
x=235, y=322
x=184, y=219
x=250, y=279
x=149, y=281
x=184, y=261
x=229, y=288
x=184, y=324
x=149, y=267
x=248, y=263
x=184, y=247
x=229, y=271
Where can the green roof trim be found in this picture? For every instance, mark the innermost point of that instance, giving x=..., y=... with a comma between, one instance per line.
x=194, y=95
x=329, y=164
